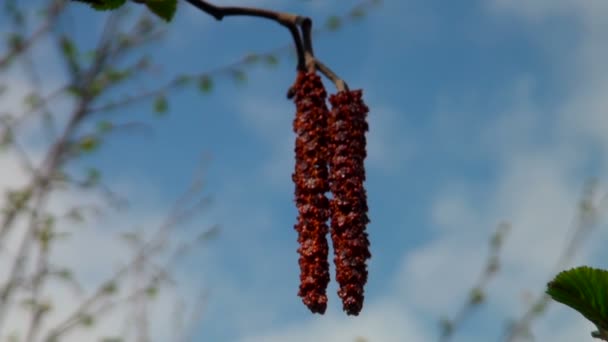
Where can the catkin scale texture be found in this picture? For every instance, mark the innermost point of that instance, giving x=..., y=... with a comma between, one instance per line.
x=347, y=126
x=311, y=184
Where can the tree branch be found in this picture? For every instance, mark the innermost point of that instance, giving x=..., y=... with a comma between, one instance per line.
x=291, y=21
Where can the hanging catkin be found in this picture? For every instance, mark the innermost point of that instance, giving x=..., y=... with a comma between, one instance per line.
x=311, y=184
x=347, y=126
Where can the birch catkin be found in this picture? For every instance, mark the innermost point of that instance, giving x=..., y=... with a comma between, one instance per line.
x=311, y=184
x=347, y=126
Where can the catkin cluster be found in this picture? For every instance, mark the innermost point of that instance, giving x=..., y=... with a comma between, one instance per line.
x=311, y=180
x=330, y=151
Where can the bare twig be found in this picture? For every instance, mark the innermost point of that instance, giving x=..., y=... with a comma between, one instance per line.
x=477, y=293
x=53, y=11
x=290, y=21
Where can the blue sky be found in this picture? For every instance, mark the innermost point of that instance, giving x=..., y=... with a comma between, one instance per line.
x=480, y=112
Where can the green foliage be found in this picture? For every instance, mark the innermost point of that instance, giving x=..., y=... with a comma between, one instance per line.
x=104, y=127
x=163, y=8
x=476, y=296
x=70, y=53
x=109, y=288
x=271, y=60
x=161, y=105
x=88, y=143
x=239, y=76
x=152, y=292
x=104, y=5
x=205, y=84
x=112, y=339
x=333, y=23
x=92, y=178
x=86, y=320
x=584, y=289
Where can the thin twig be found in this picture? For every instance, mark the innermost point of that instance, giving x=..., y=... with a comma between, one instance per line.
x=290, y=21
x=53, y=13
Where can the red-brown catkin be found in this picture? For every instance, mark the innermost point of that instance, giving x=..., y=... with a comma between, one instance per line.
x=347, y=126
x=311, y=183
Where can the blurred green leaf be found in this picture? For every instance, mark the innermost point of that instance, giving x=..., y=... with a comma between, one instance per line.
x=18, y=199
x=112, y=339
x=239, y=76
x=182, y=80
x=271, y=60
x=103, y=5
x=357, y=13
x=584, y=289
x=65, y=274
x=32, y=100
x=6, y=137
x=75, y=215
x=46, y=233
x=15, y=41
x=476, y=296
x=161, y=105
x=109, y=288
x=104, y=126
x=209, y=234
x=92, y=178
x=333, y=23
x=446, y=326
x=152, y=291
x=68, y=49
x=163, y=8
x=86, y=320
x=88, y=143
x=251, y=58
x=205, y=84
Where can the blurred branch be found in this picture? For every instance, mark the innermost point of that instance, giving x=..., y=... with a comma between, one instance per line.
x=39, y=186
x=53, y=12
x=354, y=13
x=180, y=212
x=477, y=293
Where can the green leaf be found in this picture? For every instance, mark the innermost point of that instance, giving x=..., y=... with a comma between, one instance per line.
x=6, y=138
x=251, y=58
x=333, y=23
x=239, y=76
x=584, y=289
x=163, y=8
x=65, y=274
x=92, y=178
x=112, y=339
x=357, y=13
x=104, y=126
x=109, y=288
x=88, y=143
x=104, y=5
x=161, y=105
x=182, y=80
x=86, y=320
x=32, y=100
x=271, y=60
x=205, y=84
x=152, y=292
x=476, y=296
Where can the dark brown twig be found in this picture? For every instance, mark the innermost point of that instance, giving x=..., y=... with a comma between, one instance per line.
x=291, y=21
